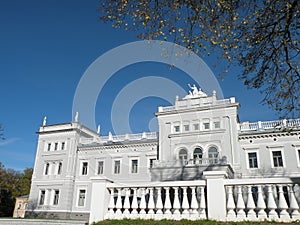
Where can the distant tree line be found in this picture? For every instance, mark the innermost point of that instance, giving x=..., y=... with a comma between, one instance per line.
x=12, y=184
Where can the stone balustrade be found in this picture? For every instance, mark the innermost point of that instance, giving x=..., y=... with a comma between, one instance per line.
x=167, y=200
x=269, y=125
x=262, y=199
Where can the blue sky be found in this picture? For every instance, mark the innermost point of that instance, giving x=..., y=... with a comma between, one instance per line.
x=45, y=48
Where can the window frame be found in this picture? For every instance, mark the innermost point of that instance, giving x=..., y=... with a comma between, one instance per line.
x=47, y=169
x=59, y=168
x=272, y=158
x=134, y=170
x=49, y=147
x=63, y=145
x=248, y=160
x=114, y=166
x=42, y=196
x=98, y=167
x=84, y=170
x=79, y=197
x=55, y=197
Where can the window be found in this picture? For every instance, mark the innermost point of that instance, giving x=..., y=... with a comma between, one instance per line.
x=63, y=146
x=177, y=129
x=56, y=197
x=277, y=159
x=42, y=197
x=100, y=167
x=213, y=155
x=49, y=146
x=134, y=166
x=196, y=126
x=55, y=146
x=47, y=168
x=186, y=127
x=59, y=168
x=183, y=156
x=252, y=160
x=81, y=198
x=84, y=170
x=151, y=162
x=206, y=126
x=117, y=168
x=25, y=206
x=19, y=205
x=198, y=153
x=299, y=155
x=217, y=124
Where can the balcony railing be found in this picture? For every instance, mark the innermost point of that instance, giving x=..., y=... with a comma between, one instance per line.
x=190, y=162
x=270, y=125
x=168, y=200
x=118, y=138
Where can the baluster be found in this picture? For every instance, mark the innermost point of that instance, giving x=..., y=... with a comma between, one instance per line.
x=240, y=205
x=176, y=204
x=294, y=205
x=159, y=204
x=194, y=205
x=111, y=204
x=202, y=205
x=230, y=204
x=282, y=205
x=251, y=215
x=185, y=204
x=168, y=205
x=118, y=214
x=126, y=204
x=261, y=205
x=134, y=204
x=271, y=204
x=151, y=205
x=143, y=203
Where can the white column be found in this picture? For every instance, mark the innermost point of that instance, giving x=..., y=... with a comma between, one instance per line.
x=282, y=205
x=118, y=214
x=185, y=204
x=159, y=204
x=271, y=204
x=176, y=204
x=134, y=204
x=168, y=205
x=99, y=199
x=194, y=205
x=111, y=205
x=231, y=216
x=143, y=204
x=202, y=205
x=261, y=205
x=240, y=205
x=151, y=205
x=126, y=205
x=216, y=195
x=251, y=215
x=294, y=205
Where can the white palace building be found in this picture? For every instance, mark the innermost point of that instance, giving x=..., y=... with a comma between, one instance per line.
x=202, y=164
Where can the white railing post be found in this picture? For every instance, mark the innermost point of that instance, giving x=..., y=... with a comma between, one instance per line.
x=118, y=213
x=185, y=204
x=176, y=204
x=151, y=205
x=126, y=205
x=194, y=205
x=261, y=205
x=134, y=204
x=143, y=203
x=230, y=204
x=111, y=205
x=216, y=195
x=251, y=215
x=100, y=199
x=293, y=204
x=271, y=204
x=202, y=205
x=159, y=204
x=168, y=205
x=240, y=205
x=282, y=205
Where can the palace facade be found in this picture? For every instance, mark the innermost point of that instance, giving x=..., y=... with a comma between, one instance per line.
x=199, y=135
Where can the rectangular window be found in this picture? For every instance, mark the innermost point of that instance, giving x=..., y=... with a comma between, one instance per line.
x=134, y=166
x=206, y=126
x=56, y=197
x=59, y=168
x=49, y=146
x=299, y=155
x=252, y=160
x=176, y=129
x=151, y=162
x=196, y=126
x=42, y=197
x=217, y=125
x=84, y=170
x=19, y=205
x=277, y=159
x=47, y=168
x=81, y=198
x=100, y=167
x=63, y=146
x=117, y=166
x=55, y=146
x=186, y=128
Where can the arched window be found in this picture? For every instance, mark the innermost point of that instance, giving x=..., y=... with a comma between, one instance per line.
x=213, y=155
x=183, y=156
x=198, y=153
